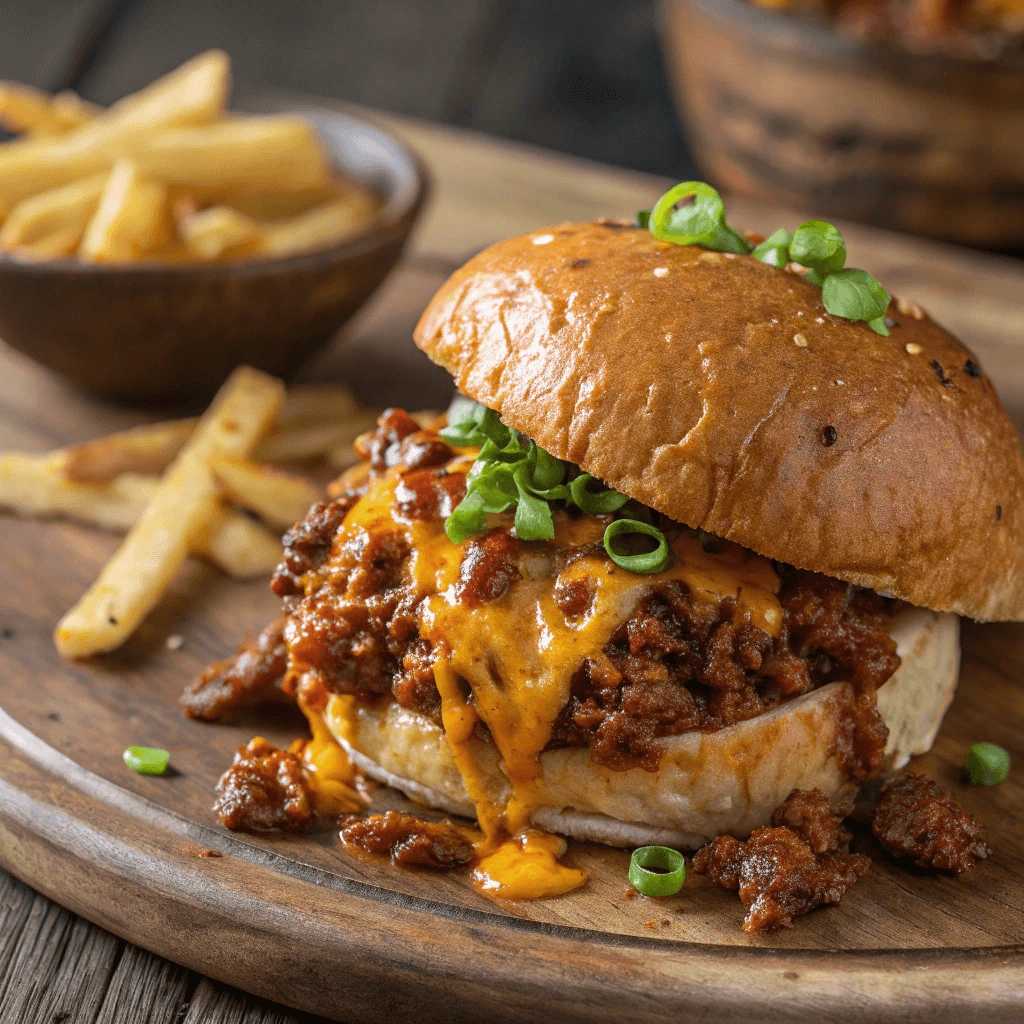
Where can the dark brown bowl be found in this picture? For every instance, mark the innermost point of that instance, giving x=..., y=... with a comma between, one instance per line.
x=150, y=332
x=794, y=113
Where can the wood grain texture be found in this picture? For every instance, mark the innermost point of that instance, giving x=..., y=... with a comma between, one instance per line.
x=71, y=964
x=295, y=920
x=145, y=988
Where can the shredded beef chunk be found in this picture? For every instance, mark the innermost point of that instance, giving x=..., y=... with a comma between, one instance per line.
x=430, y=493
x=799, y=863
x=408, y=840
x=398, y=439
x=266, y=790
x=308, y=543
x=917, y=819
x=251, y=678
x=488, y=568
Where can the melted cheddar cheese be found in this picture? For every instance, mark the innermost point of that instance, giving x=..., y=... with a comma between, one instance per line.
x=509, y=663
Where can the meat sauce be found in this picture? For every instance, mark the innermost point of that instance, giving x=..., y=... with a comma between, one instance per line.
x=408, y=840
x=678, y=663
x=252, y=677
x=915, y=818
x=800, y=862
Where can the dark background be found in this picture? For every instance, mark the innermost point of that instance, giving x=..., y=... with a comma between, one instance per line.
x=582, y=76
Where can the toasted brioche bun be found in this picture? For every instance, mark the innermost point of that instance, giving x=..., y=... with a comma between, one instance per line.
x=709, y=783
x=701, y=383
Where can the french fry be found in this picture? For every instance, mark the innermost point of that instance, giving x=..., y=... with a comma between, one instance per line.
x=60, y=244
x=218, y=232
x=230, y=157
x=278, y=498
x=239, y=546
x=37, y=486
x=53, y=222
x=265, y=206
x=319, y=227
x=132, y=220
x=136, y=577
x=24, y=109
x=306, y=441
x=195, y=94
x=150, y=448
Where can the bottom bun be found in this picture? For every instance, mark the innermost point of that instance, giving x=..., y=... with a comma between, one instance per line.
x=708, y=783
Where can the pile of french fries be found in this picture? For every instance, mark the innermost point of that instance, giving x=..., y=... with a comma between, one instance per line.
x=167, y=175
x=212, y=486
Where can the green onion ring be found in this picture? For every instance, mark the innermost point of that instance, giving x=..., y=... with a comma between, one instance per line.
x=147, y=760
x=595, y=502
x=668, y=877
x=987, y=764
x=650, y=561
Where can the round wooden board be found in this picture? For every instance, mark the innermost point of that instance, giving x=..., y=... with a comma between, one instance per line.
x=295, y=919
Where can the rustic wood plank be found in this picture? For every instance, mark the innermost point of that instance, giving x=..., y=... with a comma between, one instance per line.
x=145, y=988
x=583, y=77
x=15, y=905
x=219, y=1004
x=60, y=970
x=41, y=41
x=402, y=58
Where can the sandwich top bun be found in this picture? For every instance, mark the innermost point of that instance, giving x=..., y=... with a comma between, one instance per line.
x=717, y=390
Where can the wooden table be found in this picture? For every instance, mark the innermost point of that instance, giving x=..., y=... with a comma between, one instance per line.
x=55, y=967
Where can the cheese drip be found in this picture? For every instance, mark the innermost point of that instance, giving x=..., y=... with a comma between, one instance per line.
x=510, y=662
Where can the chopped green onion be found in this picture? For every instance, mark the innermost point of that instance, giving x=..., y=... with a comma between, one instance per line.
x=147, y=760
x=649, y=561
x=819, y=246
x=657, y=871
x=774, y=250
x=987, y=764
x=816, y=244
x=533, y=515
x=595, y=502
x=856, y=295
x=701, y=223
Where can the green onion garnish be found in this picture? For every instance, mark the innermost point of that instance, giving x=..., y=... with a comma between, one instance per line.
x=513, y=472
x=147, y=760
x=856, y=295
x=987, y=764
x=595, y=502
x=774, y=250
x=816, y=244
x=657, y=871
x=649, y=561
x=700, y=223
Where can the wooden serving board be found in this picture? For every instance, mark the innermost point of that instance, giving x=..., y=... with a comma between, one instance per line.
x=297, y=920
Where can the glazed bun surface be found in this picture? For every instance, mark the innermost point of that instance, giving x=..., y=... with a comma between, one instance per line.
x=708, y=783
x=717, y=390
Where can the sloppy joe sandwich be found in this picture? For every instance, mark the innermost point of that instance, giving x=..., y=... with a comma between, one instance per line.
x=689, y=540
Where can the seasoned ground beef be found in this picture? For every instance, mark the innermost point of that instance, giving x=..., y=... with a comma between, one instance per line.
x=915, y=818
x=266, y=790
x=407, y=840
x=489, y=567
x=681, y=664
x=250, y=678
x=799, y=863
x=308, y=543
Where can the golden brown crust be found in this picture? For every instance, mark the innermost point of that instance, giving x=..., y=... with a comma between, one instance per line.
x=702, y=384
